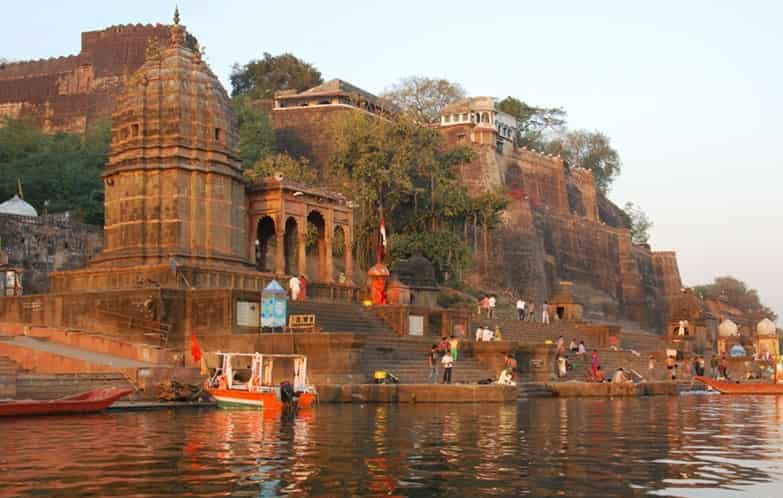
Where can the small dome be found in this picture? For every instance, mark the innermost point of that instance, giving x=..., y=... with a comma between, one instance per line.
x=727, y=328
x=766, y=328
x=17, y=206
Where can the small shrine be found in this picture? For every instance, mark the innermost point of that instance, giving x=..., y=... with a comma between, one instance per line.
x=564, y=304
x=728, y=336
x=767, y=343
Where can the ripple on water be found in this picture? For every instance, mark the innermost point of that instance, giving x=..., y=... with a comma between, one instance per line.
x=694, y=446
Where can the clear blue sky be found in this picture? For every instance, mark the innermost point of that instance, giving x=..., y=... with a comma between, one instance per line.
x=689, y=92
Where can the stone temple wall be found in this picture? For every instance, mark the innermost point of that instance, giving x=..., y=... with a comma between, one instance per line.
x=70, y=93
x=47, y=243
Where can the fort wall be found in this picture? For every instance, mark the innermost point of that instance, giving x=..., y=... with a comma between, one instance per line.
x=70, y=93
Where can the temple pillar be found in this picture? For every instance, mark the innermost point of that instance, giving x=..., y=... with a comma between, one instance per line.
x=280, y=253
x=325, y=253
x=301, y=246
x=348, y=254
x=252, y=230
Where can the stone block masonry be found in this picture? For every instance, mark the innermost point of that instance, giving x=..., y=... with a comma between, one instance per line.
x=70, y=93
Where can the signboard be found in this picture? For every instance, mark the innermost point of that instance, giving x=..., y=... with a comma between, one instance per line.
x=274, y=306
x=415, y=325
x=247, y=314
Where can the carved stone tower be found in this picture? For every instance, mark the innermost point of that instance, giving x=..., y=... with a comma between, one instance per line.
x=174, y=184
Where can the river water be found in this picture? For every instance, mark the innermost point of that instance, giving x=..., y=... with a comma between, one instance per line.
x=690, y=446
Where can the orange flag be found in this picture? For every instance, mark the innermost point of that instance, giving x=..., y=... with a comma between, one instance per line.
x=195, y=349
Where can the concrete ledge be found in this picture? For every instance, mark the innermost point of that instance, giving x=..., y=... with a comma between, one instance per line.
x=415, y=393
x=588, y=389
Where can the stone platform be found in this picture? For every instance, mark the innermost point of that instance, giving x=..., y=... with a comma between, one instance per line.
x=415, y=393
x=589, y=389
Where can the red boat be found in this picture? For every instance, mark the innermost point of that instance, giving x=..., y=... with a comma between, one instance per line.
x=727, y=387
x=91, y=401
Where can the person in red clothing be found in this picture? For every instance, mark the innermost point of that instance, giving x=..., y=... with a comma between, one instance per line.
x=594, y=364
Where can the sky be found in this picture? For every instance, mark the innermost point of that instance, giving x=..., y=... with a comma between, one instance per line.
x=689, y=92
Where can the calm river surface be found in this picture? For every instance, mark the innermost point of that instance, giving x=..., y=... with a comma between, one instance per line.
x=691, y=446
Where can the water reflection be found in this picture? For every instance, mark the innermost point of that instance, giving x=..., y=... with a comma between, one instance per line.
x=690, y=446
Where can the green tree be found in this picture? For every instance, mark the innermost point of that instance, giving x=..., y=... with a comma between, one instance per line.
x=640, y=223
x=261, y=78
x=532, y=122
x=61, y=171
x=591, y=150
x=737, y=294
x=405, y=171
x=298, y=170
x=256, y=135
x=422, y=97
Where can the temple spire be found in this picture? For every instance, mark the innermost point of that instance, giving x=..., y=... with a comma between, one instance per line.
x=177, y=31
x=176, y=15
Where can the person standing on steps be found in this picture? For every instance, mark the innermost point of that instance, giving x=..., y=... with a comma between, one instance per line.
x=433, y=359
x=545, y=312
x=448, y=363
x=531, y=313
x=521, y=308
x=454, y=347
x=594, y=364
x=493, y=302
x=295, y=286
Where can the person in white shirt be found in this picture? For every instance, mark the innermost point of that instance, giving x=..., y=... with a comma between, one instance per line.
x=448, y=363
x=296, y=287
x=521, y=309
x=479, y=334
x=488, y=335
x=620, y=377
x=492, y=303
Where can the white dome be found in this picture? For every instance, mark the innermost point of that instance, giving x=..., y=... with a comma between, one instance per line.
x=766, y=328
x=727, y=328
x=17, y=206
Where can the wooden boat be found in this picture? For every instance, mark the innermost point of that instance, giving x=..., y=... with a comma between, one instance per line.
x=90, y=401
x=255, y=380
x=728, y=387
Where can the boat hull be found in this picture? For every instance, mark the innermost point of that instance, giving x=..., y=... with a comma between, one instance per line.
x=87, y=402
x=727, y=387
x=229, y=398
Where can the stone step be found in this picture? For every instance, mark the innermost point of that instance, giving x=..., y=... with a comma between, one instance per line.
x=52, y=386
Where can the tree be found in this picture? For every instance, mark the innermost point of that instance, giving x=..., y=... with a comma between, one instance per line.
x=298, y=170
x=261, y=78
x=640, y=223
x=737, y=294
x=406, y=171
x=422, y=97
x=256, y=135
x=532, y=122
x=62, y=171
x=591, y=150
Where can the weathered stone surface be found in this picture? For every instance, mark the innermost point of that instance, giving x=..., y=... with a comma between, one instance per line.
x=69, y=93
x=47, y=243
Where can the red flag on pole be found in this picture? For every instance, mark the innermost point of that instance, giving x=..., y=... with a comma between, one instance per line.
x=195, y=349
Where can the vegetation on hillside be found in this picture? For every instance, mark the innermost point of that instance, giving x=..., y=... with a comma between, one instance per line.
x=261, y=78
x=59, y=172
x=737, y=294
x=423, y=98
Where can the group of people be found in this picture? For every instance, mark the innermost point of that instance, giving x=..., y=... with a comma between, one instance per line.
x=526, y=311
x=298, y=287
x=445, y=354
x=486, y=334
x=487, y=306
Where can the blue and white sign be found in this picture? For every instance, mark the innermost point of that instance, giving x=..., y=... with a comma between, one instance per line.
x=274, y=306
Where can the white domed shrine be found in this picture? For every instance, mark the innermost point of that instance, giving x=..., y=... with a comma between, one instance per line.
x=766, y=328
x=727, y=328
x=18, y=206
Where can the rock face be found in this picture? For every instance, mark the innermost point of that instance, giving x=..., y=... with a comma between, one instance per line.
x=174, y=184
x=558, y=227
x=69, y=93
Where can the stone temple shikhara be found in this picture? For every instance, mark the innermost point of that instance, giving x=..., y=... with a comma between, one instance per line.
x=187, y=236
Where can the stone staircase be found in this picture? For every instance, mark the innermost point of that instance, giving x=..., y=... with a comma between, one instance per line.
x=641, y=341
x=340, y=317
x=8, y=373
x=407, y=359
x=528, y=333
x=610, y=361
x=383, y=349
x=52, y=386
